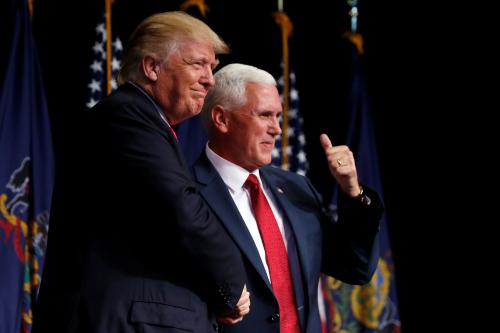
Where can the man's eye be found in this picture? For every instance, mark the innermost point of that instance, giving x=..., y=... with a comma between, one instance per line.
x=197, y=63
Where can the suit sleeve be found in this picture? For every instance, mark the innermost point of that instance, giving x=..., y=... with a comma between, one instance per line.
x=145, y=162
x=350, y=244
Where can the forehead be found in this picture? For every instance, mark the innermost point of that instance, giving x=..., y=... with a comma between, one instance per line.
x=263, y=97
x=196, y=49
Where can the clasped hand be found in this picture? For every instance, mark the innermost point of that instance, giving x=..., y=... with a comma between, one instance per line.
x=242, y=309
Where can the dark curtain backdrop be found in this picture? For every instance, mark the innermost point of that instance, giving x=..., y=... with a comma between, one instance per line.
x=400, y=46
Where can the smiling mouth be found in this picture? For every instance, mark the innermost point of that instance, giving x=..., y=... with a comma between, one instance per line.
x=199, y=93
x=268, y=144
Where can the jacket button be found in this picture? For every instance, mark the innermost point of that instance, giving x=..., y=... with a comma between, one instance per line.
x=275, y=317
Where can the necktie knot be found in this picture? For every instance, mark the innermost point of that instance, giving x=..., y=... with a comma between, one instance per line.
x=252, y=183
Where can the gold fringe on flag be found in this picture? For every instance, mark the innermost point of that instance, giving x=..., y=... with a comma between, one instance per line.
x=200, y=4
x=356, y=39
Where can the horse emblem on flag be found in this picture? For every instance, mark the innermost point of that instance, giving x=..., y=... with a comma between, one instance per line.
x=27, y=238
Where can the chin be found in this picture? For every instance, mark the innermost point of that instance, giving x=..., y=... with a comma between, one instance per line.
x=266, y=161
x=180, y=119
x=194, y=111
x=196, y=106
x=189, y=113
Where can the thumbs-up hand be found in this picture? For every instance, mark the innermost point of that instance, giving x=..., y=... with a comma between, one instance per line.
x=342, y=166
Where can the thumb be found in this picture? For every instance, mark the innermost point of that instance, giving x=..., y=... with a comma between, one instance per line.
x=325, y=141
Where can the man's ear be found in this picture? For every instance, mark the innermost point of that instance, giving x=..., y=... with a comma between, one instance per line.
x=150, y=68
x=220, y=119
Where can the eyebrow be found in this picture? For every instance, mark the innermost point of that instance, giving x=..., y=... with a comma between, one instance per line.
x=268, y=113
x=203, y=59
x=217, y=62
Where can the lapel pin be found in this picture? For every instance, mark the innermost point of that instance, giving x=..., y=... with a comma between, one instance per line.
x=280, y=190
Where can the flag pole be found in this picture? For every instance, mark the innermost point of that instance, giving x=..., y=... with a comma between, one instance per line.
x=286, y=30
x=353, y=13
x=353, y=36
x=108, y=44
x=30, y=8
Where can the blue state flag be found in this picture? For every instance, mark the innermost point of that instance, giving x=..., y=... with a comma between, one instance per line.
x=26, y=178
x=373, y=307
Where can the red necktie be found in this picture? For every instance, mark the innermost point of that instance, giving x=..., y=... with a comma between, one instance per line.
x=173, y=132
x=276, y=257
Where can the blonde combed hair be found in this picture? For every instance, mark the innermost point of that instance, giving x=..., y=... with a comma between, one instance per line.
x=158, y=35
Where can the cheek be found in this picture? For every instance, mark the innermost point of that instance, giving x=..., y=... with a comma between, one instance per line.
x=192, y=78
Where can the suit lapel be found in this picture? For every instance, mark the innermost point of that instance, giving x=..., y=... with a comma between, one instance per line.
x=293, y=217
x=154, y=113
x=216, y=194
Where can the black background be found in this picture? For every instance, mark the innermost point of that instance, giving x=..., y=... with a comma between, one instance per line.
x=420, y=72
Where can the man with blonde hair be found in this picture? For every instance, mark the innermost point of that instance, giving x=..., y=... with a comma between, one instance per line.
x=134, y=248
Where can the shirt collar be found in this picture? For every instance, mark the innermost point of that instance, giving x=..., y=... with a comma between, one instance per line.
x=233, y=175
x=157, y=107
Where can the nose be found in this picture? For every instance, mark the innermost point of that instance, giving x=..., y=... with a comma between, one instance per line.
x=207, y=78
x=275, y=126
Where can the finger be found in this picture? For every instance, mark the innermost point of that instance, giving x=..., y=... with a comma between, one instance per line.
x=241, y=310
x=245, y=298
x=229, y=320
x=325, y=141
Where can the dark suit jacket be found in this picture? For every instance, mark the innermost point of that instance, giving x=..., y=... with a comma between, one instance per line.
x=346, y=250
x=132, y=246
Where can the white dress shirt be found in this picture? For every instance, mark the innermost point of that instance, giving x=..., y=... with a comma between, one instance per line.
x=234, y=177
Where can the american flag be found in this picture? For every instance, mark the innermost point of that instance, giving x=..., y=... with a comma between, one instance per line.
x=98, y=81
x=297, y=160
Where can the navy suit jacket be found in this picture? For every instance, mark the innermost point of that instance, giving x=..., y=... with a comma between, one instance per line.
x=132, y=246
x=346, y=250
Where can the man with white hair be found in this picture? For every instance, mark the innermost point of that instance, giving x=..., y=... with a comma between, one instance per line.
x=276, y=217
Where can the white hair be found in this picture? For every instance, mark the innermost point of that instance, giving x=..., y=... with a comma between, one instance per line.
x=229, y=90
